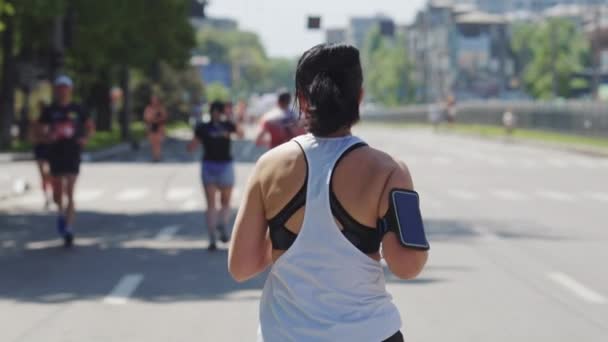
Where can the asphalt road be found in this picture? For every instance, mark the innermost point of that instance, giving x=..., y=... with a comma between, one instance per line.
x=519, y=247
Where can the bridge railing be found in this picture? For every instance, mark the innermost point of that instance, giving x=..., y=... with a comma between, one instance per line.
x=576, y=117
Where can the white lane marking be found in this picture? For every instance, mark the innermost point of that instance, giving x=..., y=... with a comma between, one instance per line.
x=484, y=233
x=598, y=196
x=235, y=199
x=528, y=163
x=430, y=202
x=36, y=198
x=441, y=160
x=585, y=163
x=124, y=289
x=178, y=194
x=577, y=288
x=167, y=233
x=131, y=194
x=509, y=195
x=495, y=161
x=190, y=205
x=560, y=164
x=88, y=195
x=554, y=195
x=463, y=194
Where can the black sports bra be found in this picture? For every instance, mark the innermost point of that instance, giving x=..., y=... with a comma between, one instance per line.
x=366, y=239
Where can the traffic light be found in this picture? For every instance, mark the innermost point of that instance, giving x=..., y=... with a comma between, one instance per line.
x=387, y=28
x=314, y=22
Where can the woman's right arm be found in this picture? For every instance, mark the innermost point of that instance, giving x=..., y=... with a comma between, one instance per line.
x=250, y=251
x=405, y=263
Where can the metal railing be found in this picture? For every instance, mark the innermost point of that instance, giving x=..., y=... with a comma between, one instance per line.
x=575, y=117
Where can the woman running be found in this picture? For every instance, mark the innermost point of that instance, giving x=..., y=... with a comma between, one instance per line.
x=217, y=169
x=155, y=116
x=311, y=210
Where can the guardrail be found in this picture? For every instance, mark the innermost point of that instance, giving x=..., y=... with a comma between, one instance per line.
x=576, y=117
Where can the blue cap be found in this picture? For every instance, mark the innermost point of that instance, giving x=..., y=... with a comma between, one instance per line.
x=63, y=80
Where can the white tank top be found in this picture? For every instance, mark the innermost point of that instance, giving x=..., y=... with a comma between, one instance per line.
x=323, y=288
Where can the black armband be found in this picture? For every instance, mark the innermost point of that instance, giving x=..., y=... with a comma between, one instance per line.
x=404, y=219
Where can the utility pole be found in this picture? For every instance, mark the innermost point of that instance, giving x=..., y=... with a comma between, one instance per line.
x=553, y=43
x=595, y=54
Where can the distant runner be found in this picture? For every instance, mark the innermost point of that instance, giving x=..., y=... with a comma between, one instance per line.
x=67, y=127
x=155, y=116
x=279, y=125
x=217, y=169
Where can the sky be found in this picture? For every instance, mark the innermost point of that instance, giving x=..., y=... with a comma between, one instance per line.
x=281, y=24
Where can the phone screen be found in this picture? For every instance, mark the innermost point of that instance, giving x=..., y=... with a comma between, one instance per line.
x=409, y=219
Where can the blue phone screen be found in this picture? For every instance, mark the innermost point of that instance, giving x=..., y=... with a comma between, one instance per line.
x=409, y=219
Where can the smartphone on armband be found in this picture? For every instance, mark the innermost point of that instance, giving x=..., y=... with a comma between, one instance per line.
x=405, y=219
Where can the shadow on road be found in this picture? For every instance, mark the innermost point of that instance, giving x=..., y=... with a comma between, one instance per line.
x=35, y=268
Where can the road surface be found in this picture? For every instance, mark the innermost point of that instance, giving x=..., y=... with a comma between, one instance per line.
x=519, y=246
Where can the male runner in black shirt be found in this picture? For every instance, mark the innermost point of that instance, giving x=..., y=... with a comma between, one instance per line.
x=67, y=127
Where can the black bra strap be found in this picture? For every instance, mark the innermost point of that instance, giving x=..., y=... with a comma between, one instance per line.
x=297, y=202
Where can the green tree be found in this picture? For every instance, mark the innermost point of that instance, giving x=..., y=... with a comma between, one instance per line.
x=242, y=50
x=6, y=8
x=387, y=70
x=281, y=74
x=553, y=48
x=216, y=92
x=110, y=39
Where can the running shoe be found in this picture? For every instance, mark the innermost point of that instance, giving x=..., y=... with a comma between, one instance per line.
x=61, y=226
x=223, y=236
x=68, y=240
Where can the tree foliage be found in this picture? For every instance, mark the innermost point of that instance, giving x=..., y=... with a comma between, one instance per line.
x=252, y=69
x=387, y=69
x=555, y=44
x=217, y=92
x=107, y=37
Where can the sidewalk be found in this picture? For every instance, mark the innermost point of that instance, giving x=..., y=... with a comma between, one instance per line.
x=12, y=185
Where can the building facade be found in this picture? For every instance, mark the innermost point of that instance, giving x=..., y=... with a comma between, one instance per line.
x=335, y=35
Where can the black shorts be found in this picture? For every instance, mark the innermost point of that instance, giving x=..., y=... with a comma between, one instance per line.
x=64, y=159
x=41, y=151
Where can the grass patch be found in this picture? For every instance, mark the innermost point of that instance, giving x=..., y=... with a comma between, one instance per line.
x=520, y=133
x=178, y=125
x=19, y=146
x=101, y=140
x=534, y=135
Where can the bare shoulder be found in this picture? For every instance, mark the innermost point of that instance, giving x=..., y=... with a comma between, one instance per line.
x=280, y=160
x=386, y=163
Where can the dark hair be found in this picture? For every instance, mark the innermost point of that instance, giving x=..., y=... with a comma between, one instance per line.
x=216, y=106
x=284, y=97
x=329, y=77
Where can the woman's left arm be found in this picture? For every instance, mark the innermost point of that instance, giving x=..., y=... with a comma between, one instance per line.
x=238, y=130
x=250, y=250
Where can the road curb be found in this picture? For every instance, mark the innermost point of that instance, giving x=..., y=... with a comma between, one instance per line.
x=103, y=154
x=586, y=150
x=112, y=152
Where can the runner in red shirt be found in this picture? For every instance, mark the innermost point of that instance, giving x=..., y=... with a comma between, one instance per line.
x=279, y=125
